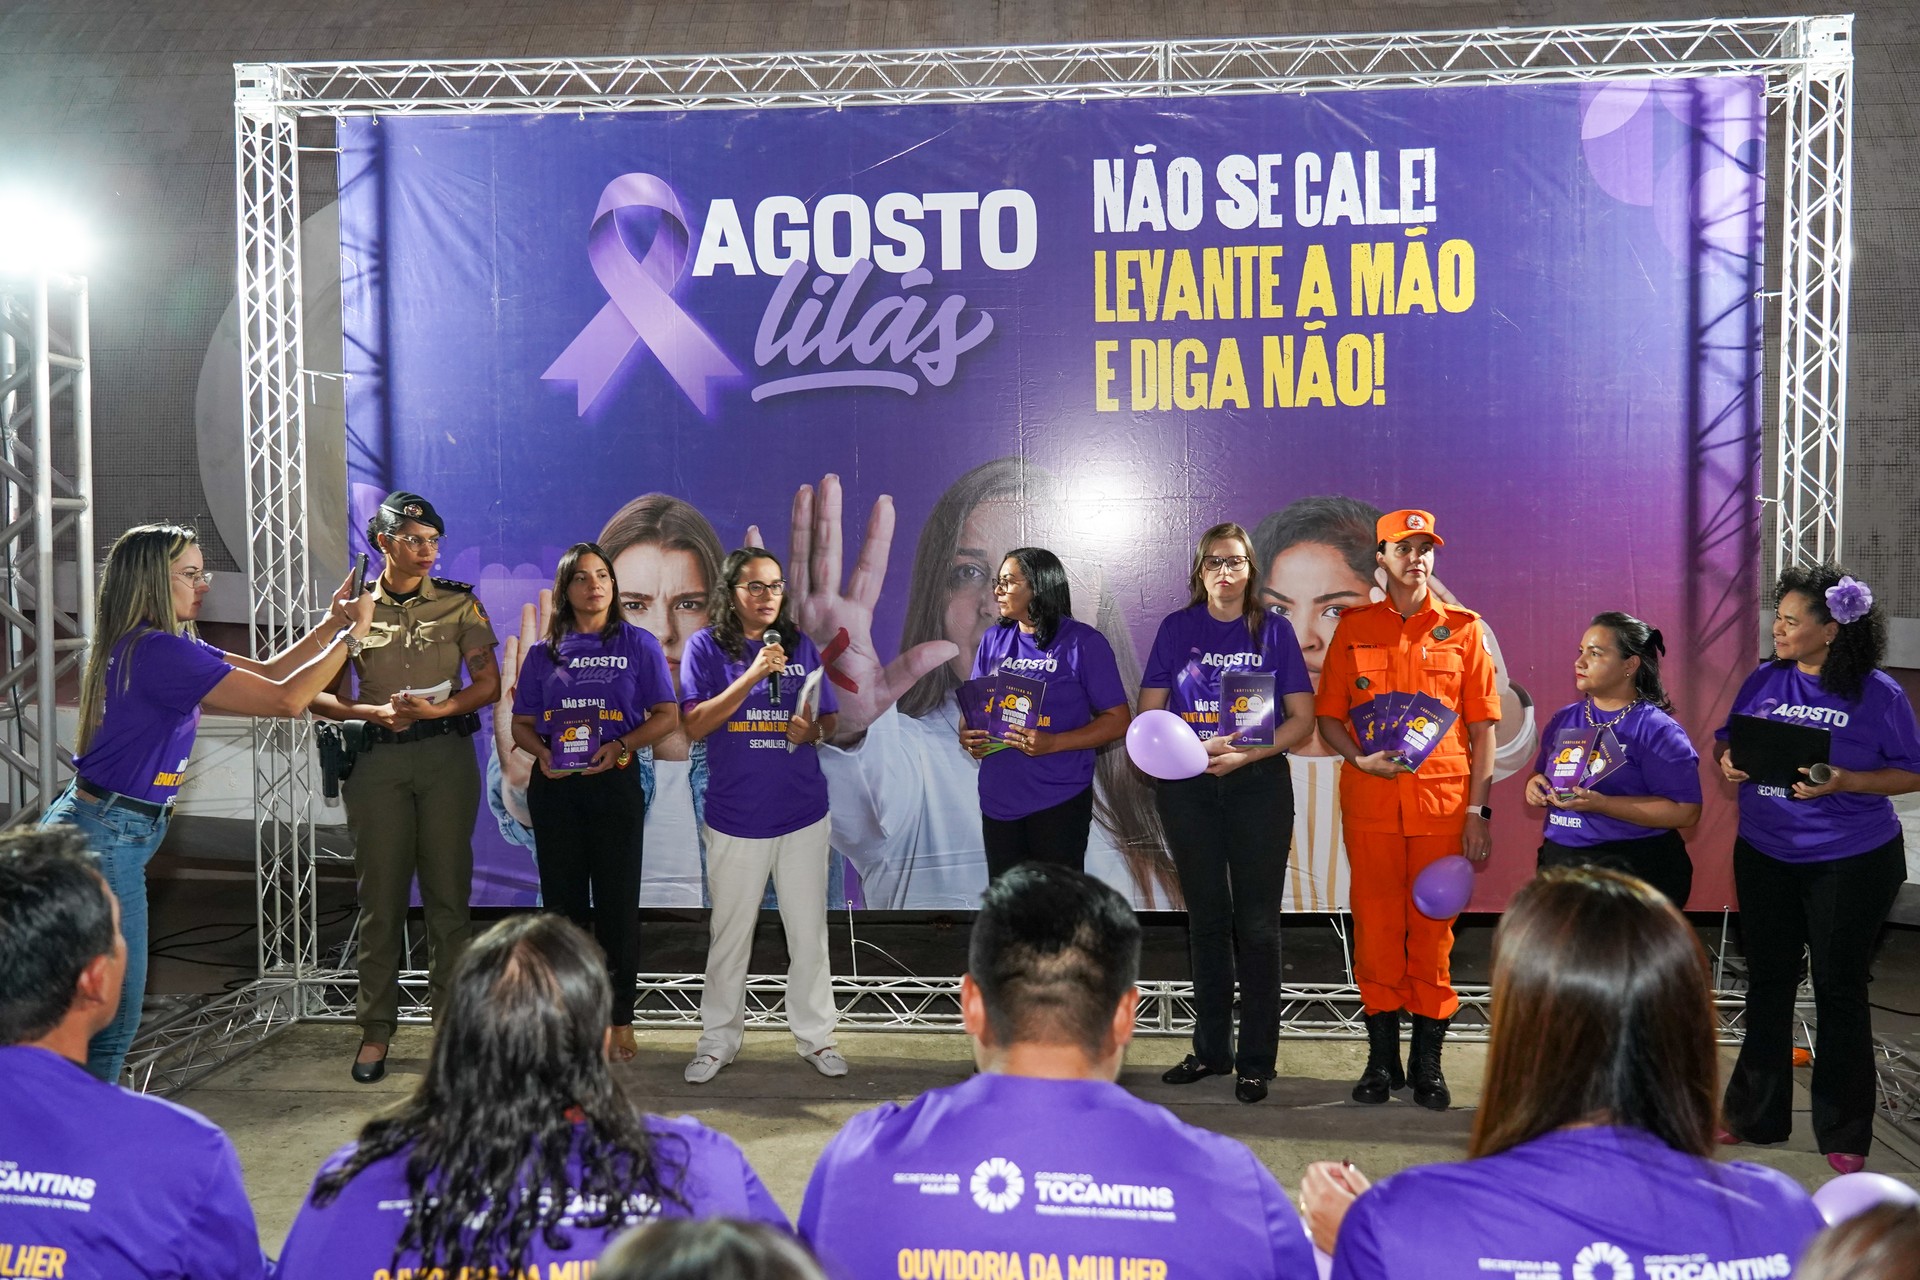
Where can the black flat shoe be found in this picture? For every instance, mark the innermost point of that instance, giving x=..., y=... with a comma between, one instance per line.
x=1189, y=1070
x=370, y=1072
x=1250, y=1089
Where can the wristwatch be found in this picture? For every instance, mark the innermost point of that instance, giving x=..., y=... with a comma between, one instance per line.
x=626, y=753
x=1481, y=810
x=355, y=645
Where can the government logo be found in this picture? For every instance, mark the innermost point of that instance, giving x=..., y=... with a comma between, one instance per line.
x=1602, y=1261
x=998, y=1184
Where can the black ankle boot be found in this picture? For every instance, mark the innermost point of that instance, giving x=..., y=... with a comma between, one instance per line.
x=1423, y=1063
x=1383, y=1074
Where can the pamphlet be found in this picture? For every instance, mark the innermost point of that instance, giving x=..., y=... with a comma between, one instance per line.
x=573, y=734
x=1247, y=707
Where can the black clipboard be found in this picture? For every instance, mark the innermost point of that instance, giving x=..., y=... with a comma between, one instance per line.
x=1773, y=752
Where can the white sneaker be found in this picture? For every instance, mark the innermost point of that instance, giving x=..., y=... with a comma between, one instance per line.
x=705, y=1067
x=827, y=1061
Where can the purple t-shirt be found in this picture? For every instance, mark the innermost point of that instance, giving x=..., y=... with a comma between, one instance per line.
x=1660, y=761
x=1079, y=1172
x=1082, y=680
x=1578, y=1202
x=756, y=788
x=112, y=1184
x=1194, y=649
x=154, y=685
x=624, y=675
x=352, y=1238
x=1875, y=731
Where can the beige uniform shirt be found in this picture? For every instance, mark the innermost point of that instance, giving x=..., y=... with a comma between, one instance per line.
x=418, y=643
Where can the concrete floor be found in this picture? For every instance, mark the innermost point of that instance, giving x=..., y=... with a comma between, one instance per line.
x=291, y=1103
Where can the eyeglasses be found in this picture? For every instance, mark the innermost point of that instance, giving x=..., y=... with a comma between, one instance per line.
x=417, y=542
x=195, y=578
x=1232, y=564
x=761, y=590
x=1007, y=584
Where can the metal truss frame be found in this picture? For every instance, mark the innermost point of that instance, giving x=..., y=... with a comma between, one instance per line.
x=46, y=410
x=1806, y=63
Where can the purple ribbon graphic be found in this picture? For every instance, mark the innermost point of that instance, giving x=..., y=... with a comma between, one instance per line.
x=640, y=306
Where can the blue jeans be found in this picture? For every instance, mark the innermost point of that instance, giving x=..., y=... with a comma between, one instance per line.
x=124, y=841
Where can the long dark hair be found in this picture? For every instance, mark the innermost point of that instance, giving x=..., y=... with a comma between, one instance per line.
x=1635, y=639
x=1602, y=1013
x=724, y=617
x=1859, y=646
x=1052, y=597
x=561, y=622
x=1122, y=804
x=518, y=1086
x=1250, y=609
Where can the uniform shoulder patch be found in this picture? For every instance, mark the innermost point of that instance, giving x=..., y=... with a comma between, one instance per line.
x=449, y=584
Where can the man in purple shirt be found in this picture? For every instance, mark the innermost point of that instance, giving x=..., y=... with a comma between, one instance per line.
x=1041, y=1166
x=94, y=1181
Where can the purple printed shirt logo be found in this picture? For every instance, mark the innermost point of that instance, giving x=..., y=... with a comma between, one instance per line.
x=640, y=306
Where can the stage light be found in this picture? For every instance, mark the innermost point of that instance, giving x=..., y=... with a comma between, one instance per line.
x=38, y=235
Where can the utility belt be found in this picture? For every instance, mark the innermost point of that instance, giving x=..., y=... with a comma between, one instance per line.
x=341, y=742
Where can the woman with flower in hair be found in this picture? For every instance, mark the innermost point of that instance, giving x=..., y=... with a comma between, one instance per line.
x=1817, y=864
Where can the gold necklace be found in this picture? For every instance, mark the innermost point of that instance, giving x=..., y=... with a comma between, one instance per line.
x=1587, y=706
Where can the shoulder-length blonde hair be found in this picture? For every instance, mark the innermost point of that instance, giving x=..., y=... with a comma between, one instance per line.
x=136, y=594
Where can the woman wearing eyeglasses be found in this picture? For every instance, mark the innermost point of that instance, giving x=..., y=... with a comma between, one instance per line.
x=1036, y=799
x=148, y=675
x=741, y=681
x=1229, y=828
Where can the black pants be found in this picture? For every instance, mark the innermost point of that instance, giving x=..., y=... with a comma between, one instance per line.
x=587, y=837
x=1057, y=835
x=1230, y=837
x=1660, y=860
x=1836, y=909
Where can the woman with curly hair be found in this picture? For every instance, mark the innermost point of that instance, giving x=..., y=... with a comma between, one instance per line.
x=1817, y=864
x=518, y=1148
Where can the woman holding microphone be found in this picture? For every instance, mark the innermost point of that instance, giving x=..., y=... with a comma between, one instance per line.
x=741, y=681
x=1229, y=828
x=1817, y=865
x=148, y=675
x=1036, y=798
x=592, y=693
x=1630, y=822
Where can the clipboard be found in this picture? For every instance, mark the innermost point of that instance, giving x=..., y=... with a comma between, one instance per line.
x=1772, y=752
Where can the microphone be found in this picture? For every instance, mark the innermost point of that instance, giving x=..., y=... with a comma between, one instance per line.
x=772, y=640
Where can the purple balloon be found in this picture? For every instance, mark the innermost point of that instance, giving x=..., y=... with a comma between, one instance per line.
x=1166, y=746
x=1852, y=1193
x=1442, y=890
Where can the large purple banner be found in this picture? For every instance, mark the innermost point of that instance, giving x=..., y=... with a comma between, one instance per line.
x=893, y=343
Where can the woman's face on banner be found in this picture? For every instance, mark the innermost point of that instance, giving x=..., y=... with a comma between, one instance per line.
x=1312, y=584
x=665, y=591
x=989, y=530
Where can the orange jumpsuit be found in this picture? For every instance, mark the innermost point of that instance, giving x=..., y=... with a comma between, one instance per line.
x=1395, y=827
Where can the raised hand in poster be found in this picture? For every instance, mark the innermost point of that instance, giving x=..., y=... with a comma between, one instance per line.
x=841, y=621
x=516, y=766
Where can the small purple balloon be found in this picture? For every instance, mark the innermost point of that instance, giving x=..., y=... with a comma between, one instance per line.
x=1853, y=1193
x=1442, y=890
x=1166, y=746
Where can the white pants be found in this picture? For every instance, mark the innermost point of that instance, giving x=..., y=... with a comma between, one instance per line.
x=737, y=870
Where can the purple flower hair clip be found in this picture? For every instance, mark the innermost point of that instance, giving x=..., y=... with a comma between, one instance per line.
x=1849, y=600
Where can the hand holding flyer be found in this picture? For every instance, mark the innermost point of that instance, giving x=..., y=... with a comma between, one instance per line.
x=574, y=734
x=1247, y=708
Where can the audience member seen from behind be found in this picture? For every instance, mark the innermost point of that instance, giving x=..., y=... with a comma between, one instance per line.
x=710, y=1249
x=1817, y=865
x=1594, y=1138
x=1882, y=1243
x=518, y=1149
x=1049, y=1003
x=117, y=1184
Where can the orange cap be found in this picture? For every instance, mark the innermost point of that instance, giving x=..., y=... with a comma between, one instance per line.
x=1397, y=525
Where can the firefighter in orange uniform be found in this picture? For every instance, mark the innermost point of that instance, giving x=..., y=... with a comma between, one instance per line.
x=1396, y=820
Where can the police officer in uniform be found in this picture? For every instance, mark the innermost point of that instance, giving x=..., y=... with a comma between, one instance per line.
x=413, y=794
